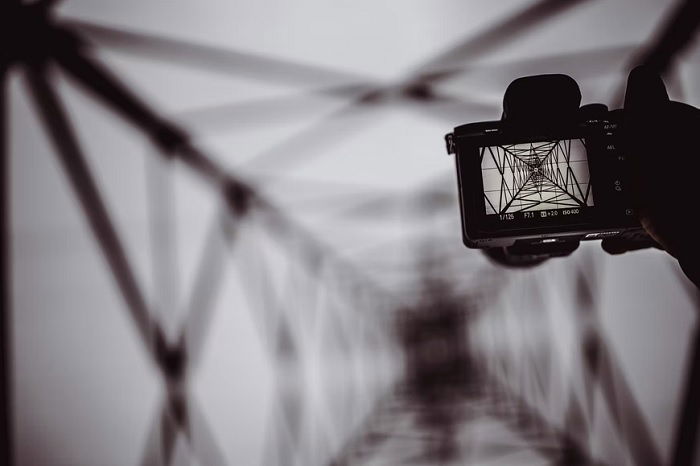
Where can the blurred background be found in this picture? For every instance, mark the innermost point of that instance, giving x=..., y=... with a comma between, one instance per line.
x=234, y=239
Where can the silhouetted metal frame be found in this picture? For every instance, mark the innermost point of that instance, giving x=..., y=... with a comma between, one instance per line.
x=171, y=360
x=168, y=137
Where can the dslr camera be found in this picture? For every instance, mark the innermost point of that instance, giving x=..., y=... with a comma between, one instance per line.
x=546, y=176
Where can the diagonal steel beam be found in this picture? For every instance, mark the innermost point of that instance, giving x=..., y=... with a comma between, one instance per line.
x=202, y=438
x=163, y=241
x=107, y=87
x=70, y=155
x=674, y=36
x=169, y=359
x=601, y=369
x=448, y=63
x=328, y=81
x=205, y=286
x=179, y=413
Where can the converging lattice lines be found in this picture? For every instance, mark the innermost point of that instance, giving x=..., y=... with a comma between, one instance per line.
x=535, y=176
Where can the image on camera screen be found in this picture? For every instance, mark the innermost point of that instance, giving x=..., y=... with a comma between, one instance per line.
x=536, y=176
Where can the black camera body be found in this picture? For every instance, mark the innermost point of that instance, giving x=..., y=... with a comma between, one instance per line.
x=531, y=188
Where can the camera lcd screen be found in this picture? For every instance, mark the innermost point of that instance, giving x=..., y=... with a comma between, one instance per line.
x=536, y=179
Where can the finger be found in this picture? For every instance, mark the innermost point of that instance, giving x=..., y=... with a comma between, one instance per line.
x=615, y=246
x=645, y=91
x=619, y=246
x=671, y=176
x=646, y=103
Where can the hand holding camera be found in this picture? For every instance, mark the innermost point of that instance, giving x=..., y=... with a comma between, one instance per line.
x=550, y=173
x=659, y=136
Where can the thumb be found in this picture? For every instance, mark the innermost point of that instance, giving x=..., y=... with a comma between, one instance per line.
x=646, y=102
x=645, y=92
